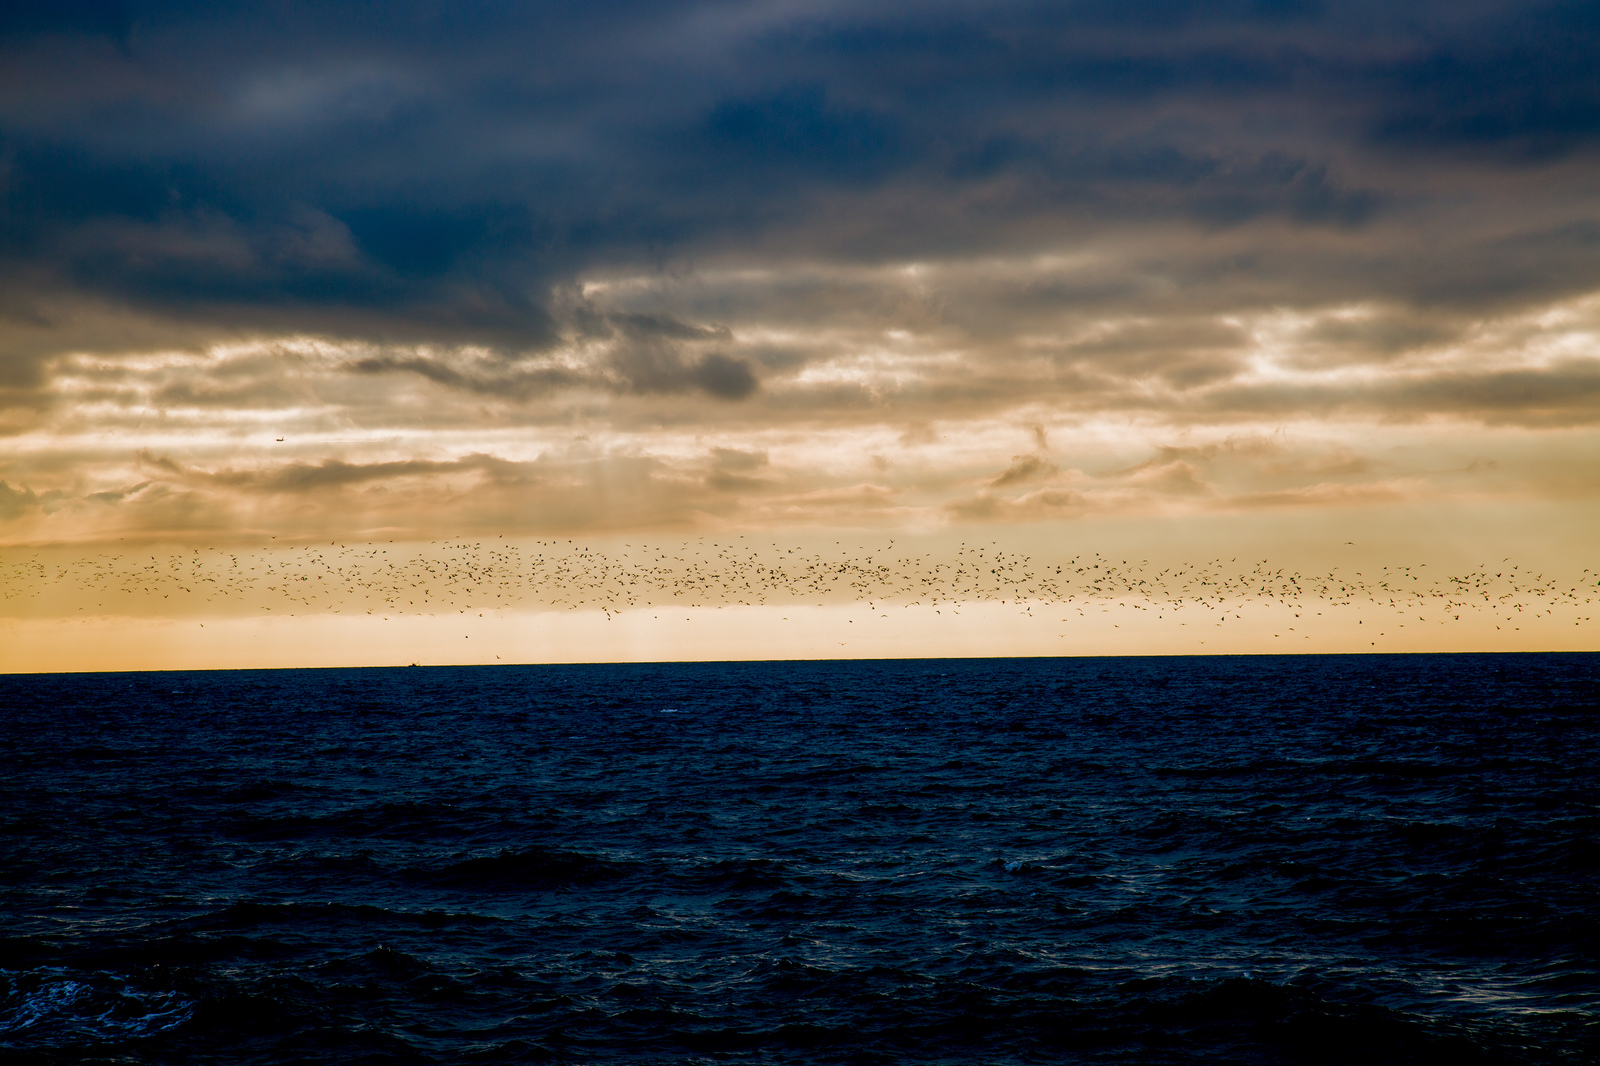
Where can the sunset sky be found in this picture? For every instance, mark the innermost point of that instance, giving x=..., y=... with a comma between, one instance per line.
x=1175, y=279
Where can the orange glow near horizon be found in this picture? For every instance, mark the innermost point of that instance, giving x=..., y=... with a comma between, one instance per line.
x=1235, y=584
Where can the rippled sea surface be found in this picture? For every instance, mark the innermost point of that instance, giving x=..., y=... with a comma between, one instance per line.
x=1377, y=859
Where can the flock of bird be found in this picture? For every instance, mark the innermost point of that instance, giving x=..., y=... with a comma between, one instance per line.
x=477, y=575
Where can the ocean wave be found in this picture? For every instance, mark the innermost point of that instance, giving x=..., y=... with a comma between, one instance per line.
x=52, y=1007
x=825, y=863
x=533, y=867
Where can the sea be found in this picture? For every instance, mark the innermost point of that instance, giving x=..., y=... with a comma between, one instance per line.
x=1290, y=859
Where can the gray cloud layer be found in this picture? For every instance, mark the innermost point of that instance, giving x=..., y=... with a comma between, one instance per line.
x=435, y=174
x=740, y=220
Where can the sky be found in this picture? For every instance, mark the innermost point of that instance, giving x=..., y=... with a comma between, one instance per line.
x=1318, y=283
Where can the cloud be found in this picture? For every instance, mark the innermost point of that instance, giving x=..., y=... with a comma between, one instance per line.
x=497, y=378
x=1175, y=478
x=803, y=231
x=478, y=491
x=732, y=469
x=1040, y=505
x=1518, y=85
x=1567, y=393
x=1325, y=494
x=15, y=502
x=623, y=353
x=403, y=181
x=659, y=368
x=1024, y=468
x=734, y=459
x=296, y=478
x=724, y=377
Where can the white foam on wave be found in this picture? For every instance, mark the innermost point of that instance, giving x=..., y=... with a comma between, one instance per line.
x=54, y=1007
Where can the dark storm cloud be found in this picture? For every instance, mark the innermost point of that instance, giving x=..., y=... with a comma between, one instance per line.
x=439, y=174
x=493, y=377
x=643, y=354
x=1528, y=90
x=649, y=359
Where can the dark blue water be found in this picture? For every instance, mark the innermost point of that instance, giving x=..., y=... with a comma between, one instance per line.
x=1381, y=859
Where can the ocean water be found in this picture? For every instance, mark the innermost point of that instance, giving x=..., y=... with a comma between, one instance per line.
x=1374, y=859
